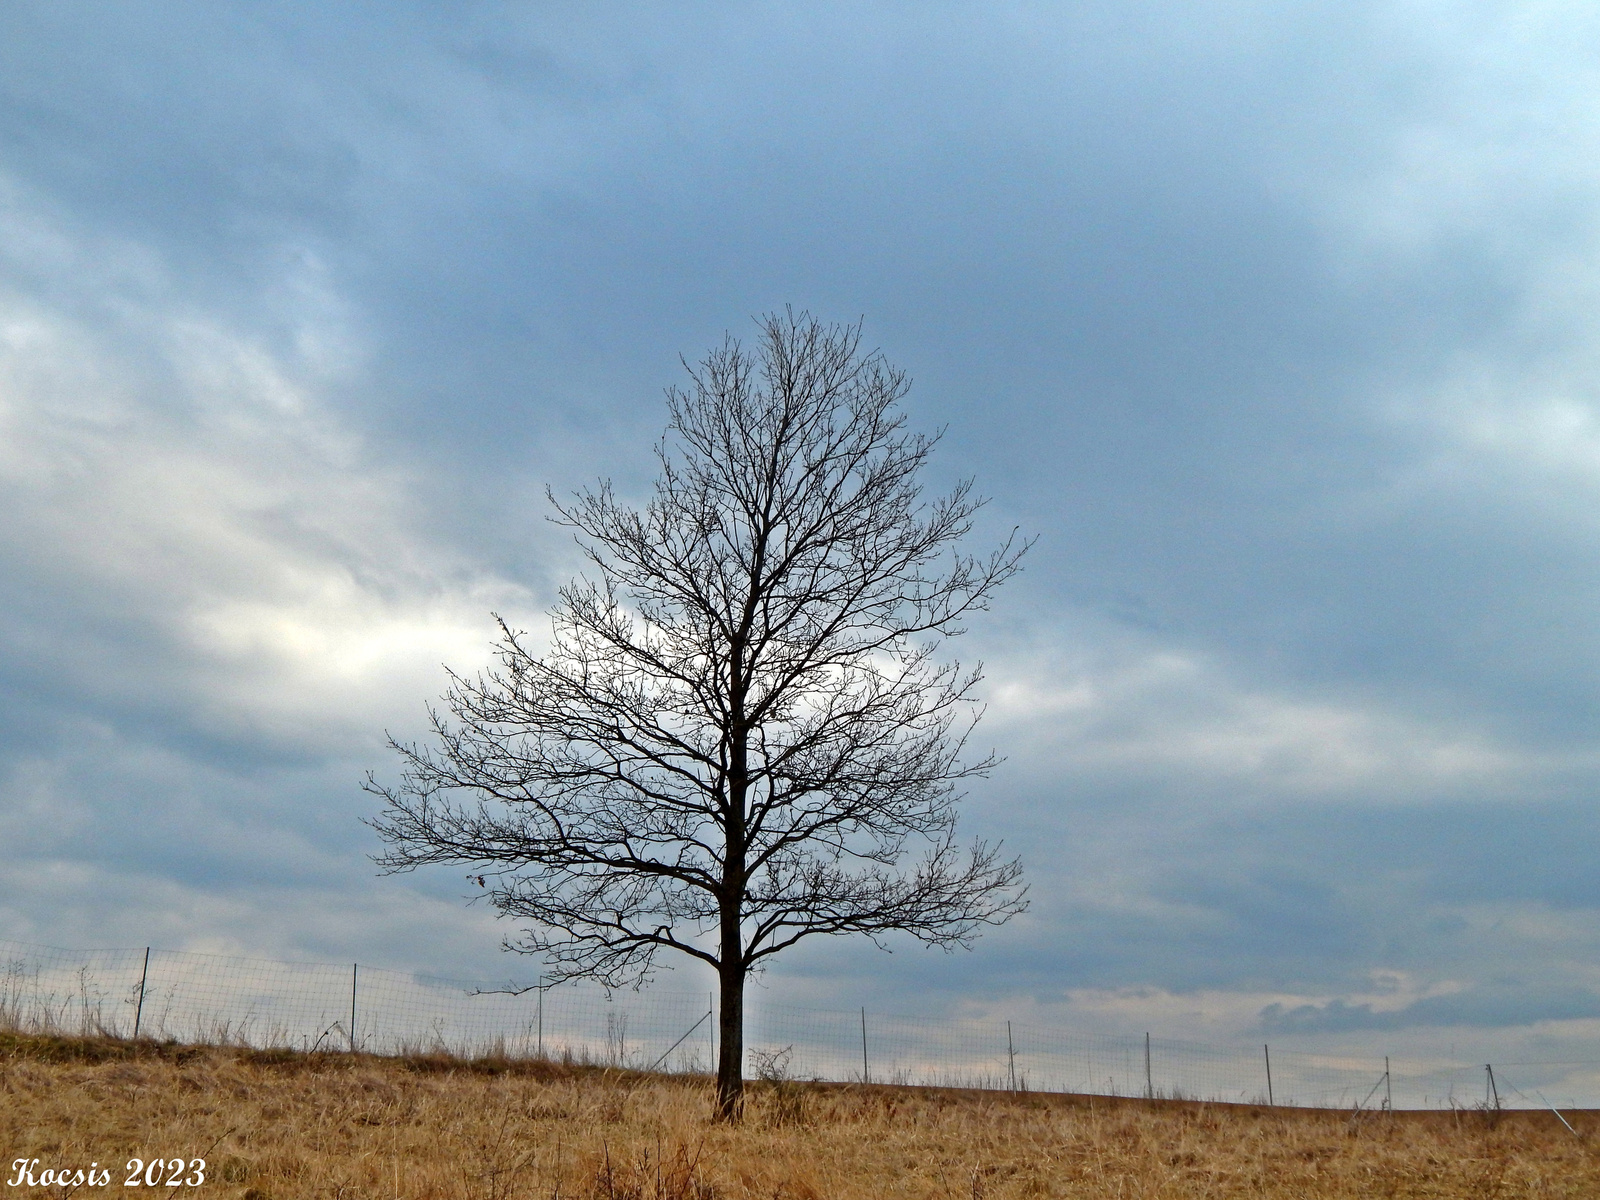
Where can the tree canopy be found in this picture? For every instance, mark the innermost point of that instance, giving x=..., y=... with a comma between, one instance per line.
x=740, y=727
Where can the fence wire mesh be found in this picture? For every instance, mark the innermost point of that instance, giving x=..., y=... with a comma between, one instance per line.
x=208, y=998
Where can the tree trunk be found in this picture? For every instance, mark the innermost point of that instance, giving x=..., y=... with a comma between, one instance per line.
x=731, y=969
x=730, y=1031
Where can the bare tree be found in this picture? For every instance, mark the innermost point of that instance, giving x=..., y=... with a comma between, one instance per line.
x=739, y=728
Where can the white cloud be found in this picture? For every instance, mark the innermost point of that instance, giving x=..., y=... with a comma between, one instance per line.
x=185, y=482
x=1218, y=1014
x=1140, y=709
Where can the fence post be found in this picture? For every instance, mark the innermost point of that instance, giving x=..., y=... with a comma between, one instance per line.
x=541, y=1016
x=138, y=1011
x=866, y=1075
x=1266, y=1053
x=1149, y=1081
x=1491, y=1090
x=1011, y=1055
x=1388, y=1087
x=353, y=968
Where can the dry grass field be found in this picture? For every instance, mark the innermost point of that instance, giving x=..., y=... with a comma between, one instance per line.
x=288, y=1126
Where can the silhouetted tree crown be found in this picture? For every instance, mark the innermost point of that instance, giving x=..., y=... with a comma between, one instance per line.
x=738, y=728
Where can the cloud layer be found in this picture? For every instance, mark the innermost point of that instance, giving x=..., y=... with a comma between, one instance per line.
x=1271, y=320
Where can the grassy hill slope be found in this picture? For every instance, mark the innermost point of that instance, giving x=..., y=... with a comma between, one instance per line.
x=285, y=1126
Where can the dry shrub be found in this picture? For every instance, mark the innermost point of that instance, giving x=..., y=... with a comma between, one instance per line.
x=667, y=1174
x=778, y=1099
x=286, y=1127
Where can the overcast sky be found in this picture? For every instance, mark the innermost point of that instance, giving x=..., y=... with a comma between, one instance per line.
x=1274, y=321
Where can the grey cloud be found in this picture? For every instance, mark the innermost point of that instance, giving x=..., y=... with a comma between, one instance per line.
x=1269, y=318
x=1482, y=1007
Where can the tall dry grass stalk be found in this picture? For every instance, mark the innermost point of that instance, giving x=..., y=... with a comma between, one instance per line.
x=294, y=1127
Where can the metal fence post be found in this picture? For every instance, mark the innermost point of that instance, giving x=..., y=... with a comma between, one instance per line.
x=144, y=976
x=353, y=968
x=1149, y=1081
x=1266, y=1053
x=866, y=1075
x=1011, y=1055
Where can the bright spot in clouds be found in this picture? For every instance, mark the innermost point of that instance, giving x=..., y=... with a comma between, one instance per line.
x=1274, y=324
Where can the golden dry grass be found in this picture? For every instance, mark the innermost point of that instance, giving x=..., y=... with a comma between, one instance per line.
x=286, y=1126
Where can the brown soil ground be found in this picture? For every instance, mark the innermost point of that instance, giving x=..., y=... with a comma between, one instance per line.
x=283, y=1126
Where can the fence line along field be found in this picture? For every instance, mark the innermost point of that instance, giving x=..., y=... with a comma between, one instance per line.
x=275, y=1125
x=202, y=998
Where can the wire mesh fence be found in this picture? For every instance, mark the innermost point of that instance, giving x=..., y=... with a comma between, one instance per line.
x=350, y=1007
x=1012, y=1056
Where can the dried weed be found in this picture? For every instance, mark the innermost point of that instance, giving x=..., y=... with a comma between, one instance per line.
x=285, y=1127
